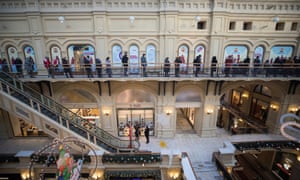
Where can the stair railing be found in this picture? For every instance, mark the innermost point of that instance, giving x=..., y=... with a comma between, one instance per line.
x=63, y=116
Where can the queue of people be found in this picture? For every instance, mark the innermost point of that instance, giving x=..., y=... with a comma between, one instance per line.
x=280, y=66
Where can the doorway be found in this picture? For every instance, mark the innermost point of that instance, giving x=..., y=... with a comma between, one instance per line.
x=185, y=120
x=131, y=117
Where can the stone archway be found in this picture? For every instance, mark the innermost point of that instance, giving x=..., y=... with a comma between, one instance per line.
x=135, y=108
x=188, y=104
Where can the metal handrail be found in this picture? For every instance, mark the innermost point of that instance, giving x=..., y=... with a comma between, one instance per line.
x=63, y=116
x=159, y=70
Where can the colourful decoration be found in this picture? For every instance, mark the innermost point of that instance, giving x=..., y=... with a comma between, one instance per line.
x=67, y=168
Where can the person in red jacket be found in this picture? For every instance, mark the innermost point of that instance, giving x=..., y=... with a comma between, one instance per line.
x=47, y=65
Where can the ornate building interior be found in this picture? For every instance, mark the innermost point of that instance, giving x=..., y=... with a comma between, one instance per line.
x=75, y=94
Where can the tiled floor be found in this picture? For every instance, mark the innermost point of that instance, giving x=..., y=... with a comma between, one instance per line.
x=200, y=149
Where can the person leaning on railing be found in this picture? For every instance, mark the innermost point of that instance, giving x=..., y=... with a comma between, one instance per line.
x=177, y=63
x=19, y=67
x=256, y=63
x=167, y=67
x=197, y=63
x=228, y=63
x=47, y=65
x=67, y=68
x=214, y=63
x=99, y=67
x=108, y=67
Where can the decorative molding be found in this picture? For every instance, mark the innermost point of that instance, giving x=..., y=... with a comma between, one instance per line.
x=150, y=5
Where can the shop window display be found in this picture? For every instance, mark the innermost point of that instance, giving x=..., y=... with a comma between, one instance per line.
x=27, y=129
x=89, y=114
x=129, y=118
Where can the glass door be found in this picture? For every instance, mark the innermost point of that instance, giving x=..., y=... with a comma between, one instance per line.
x=130, y=117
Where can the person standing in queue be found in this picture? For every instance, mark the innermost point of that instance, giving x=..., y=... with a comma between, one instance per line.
x=19, y=67
x=47, y=65
x=67, y=68
x=144, y=65
x=88, y=67
x=137, y=132
x=177, y=63
x=125, y=63
x=108, y=67
x=213, y=66
x=167, y=67
x=197, y=63
x=147, y=131
x=99, y=67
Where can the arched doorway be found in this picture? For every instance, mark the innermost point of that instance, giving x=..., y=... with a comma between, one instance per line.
x=187, y=106
x=135, y=107
x=83, y=103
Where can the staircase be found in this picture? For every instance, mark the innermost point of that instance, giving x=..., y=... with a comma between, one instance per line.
x=53, y=118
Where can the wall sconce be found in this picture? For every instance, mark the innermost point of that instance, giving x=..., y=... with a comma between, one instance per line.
x=245, y=95
x=197, y=18
x=276, y=19
x=131, y=19
x=174, y=173
x=25, y=176
x=97, y=175
x=293, y=109
x=209, y=111
x=274, y=107
x=168, y=112
x=61, y=19
x=106, y=113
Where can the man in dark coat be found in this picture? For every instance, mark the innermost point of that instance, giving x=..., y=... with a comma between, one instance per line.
x=125, y=63
x=147, y=132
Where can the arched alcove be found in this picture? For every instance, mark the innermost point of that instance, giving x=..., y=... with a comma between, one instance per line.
x=135, y=108
x=77, y=97
x=188, y=103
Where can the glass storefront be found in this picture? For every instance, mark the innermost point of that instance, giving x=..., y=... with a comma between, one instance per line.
x=90, y=114
x=129, y=117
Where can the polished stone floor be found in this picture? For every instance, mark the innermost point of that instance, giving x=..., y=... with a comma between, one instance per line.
x=198, y=149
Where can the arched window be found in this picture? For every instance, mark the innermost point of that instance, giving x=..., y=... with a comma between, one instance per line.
x=78, y=52
x=238, y=53
x=117, y=55
x=199, y=50
x=55, y=53
x=151, y=55
x=259, y=52
x=12, y=54
x=134, y=59
x=281, y=52
x=29, y=52
x=183, y=50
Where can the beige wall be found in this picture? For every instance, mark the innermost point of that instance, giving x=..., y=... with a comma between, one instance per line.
x=166, y=24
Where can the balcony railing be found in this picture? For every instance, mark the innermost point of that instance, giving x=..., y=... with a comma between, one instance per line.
x=63, y=116
x=159, y=70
